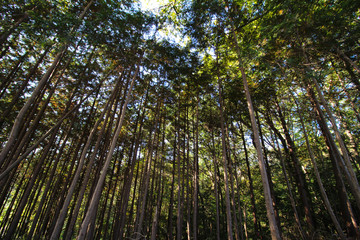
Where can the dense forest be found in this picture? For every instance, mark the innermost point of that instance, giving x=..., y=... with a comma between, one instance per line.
x=197, y=119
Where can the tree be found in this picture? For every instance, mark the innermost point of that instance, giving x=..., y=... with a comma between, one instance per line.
x=113, y=120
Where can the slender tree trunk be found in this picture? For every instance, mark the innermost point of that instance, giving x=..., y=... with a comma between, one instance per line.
x=86, y=178
x=251, y=185
x=275, y=232
x=319, y=181
x=59, y=194
x=4, y=35
x=352, y=102
x=41, y=139
x=237, y=176
x=345, y=159
x=336, y=160
x=189, y=168
x=118, y=233
x=225, y=165
x=146, y=181
x=304, y=236
x=179, y=220
x=299, y=174
x=156, y=217
x=41, y=84
x=216, y=186
x=238, y=234
x=345, y=154
x=347, y=59
x=171, y=205
x=19, y=118
x=103, y=150
x=48, y=185
x=96, y=196
x=196, y=171
x=60, y=220
x=19, y=211
x=22, y=87
x=18, y=193
x=10, y=78
x=268, y=171
x=137, y=182
x=27, y=131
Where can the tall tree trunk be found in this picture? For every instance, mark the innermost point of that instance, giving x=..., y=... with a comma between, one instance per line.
x=19, y=118
x=86, y=178
x=237, y=174
x=41, y=139
x=60, y=220
x=189, y=168
x=131, y=215
x=225, y=165
x=196, y=171
x=268, y=171
x=146, y=180
x=43, y=81
x=318, y=178
x=10, y=78
x=155, y=221
x=47, y=187
x=23, y=86
x=10, y=233
x=304, y=236
x=251, y=185
x=275, y=232
x=123, y=201
x=216, y=186
x=345, y=58
x=343, y=148
x=299, y=174
x=179, y=219
x=345, y=159
x=91, y=213
x=336, y=160
x=352, y=102
x=171, y=205
x=237, y=226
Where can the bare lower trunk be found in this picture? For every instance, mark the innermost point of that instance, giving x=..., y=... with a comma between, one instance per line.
x=196, y=172
x=337, y=163
x=225, y=166
x=97, y=192
x=319, y=181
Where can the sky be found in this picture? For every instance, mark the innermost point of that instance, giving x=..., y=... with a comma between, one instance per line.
x=152, y=5
x=170, y=33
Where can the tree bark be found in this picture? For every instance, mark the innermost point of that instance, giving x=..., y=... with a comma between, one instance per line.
x=337, y=163
x=275, y=232
x=43, y=81
x=251, y=185
x=319, y=181
x=225, y=165
x=196, y=171
x=299, y=174
x=96, y=196
x=60, y=220
x=146, y=180
x=156, y=217
x=216, y=185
